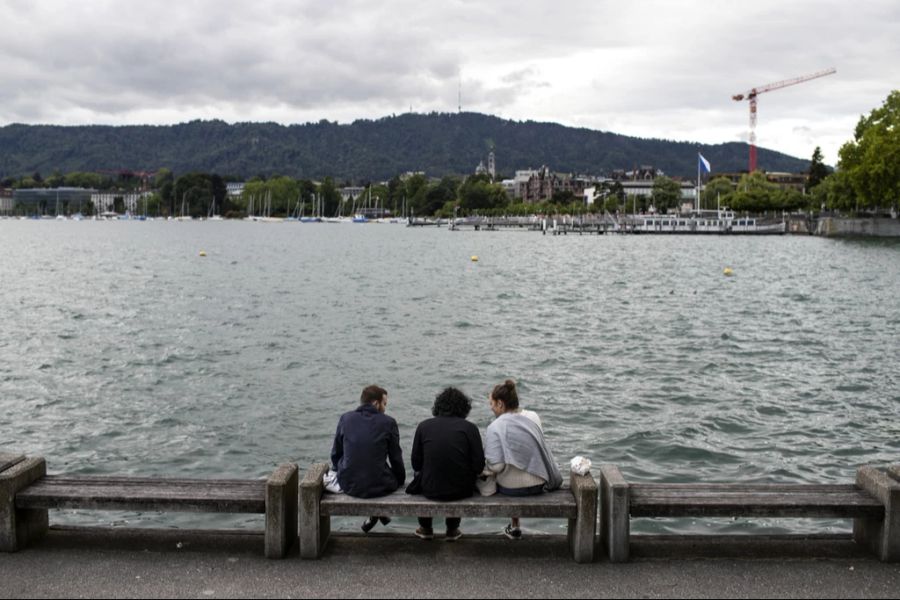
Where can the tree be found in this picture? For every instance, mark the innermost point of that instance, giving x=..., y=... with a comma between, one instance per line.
x=56, y=180
x=872, y=159
x=193, y=194
x=477, y=193
x=817, y=169
x=331, y=197
x=754, y=194
x=439, y=195
x=716, y=193
x=666, y=193
x=84, y=180
x=834, y=193
x=415, y=189
x=562, y=197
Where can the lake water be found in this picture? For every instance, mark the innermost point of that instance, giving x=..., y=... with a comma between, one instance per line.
x=123, y=351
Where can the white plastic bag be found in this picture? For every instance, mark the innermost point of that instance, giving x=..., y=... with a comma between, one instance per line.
x=580, y=465
x=331, y=482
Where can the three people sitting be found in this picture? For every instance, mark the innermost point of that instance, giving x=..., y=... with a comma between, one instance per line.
x=447, y=454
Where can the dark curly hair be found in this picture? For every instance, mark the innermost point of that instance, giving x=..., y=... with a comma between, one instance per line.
x=451, y=403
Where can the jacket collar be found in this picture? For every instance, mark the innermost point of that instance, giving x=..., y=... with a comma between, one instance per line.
x=367, y=408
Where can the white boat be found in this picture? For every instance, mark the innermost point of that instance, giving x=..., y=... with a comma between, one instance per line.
x=722, y=221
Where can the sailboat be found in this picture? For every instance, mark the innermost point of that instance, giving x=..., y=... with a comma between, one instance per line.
x=211, y=213
x=184, y=216
x=295, y=214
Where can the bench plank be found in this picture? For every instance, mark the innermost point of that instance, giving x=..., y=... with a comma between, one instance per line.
x=230, y=496
x=777, y=500
x=559, y=504
x=756, y=488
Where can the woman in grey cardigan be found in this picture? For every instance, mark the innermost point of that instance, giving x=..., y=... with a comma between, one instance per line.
x=516, y=451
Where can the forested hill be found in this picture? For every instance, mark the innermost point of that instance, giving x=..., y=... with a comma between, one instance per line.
x=438, y=144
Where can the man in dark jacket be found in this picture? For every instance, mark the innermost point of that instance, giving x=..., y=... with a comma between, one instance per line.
x=366, y=453
x=447, y=457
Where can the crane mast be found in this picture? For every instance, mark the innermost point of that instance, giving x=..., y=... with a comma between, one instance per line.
x=753, y=93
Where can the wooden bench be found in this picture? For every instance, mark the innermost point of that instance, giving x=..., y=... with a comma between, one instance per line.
x=578, y=504
x=26, y=494
x=873, y=503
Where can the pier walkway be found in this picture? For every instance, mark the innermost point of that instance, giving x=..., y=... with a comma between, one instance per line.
x=72, y=562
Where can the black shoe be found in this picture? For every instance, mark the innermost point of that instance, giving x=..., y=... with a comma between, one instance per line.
x=424, y=534
x=513, y=533
x=369, y=524
x=384, y=520
x=453, y=535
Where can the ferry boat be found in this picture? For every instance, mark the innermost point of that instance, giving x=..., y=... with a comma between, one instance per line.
x=722, y=221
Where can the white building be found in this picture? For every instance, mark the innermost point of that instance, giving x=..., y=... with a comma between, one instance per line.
x=350, y=193
x=235, y=189
x=106, y=202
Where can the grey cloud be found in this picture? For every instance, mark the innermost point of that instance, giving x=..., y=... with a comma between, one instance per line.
x=658, y=63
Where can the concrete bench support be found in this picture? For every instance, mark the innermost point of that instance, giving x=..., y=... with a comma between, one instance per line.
x=281, y=511
x=582, y=532
x=615, y=522
x=881, y=536
x=315, y=529
x=27, y=492
x=19, y=527
x=578, y=505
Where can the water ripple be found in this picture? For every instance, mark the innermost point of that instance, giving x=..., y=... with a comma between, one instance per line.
x=123, y=354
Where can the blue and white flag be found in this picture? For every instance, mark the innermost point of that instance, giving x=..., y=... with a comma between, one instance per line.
x=703, y=164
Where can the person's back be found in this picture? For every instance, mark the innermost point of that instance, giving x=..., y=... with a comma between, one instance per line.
x=366, y=452
x=449, y=453
x=447, y=457
x=516, y=452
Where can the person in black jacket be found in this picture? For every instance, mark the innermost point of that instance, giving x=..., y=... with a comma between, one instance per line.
x=366, y=452
x=447, y=457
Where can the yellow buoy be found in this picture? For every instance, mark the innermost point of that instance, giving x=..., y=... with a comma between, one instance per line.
x=728, y=272
x=202, y=253
x=474, y=259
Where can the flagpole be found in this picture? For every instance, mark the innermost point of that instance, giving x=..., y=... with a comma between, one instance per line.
x=698, y=183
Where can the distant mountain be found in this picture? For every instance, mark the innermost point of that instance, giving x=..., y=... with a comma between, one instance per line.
x=438, y=144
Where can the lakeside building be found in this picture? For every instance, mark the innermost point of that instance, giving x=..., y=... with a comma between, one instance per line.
x=642, y=173
x=351, y=193
x=52, y=201
x=235, y=189
x=6, y=200
x=490, y=169
x=108, y=202
x=532, y=186
x=644, y=188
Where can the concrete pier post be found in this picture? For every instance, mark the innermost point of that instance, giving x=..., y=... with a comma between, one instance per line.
x=615, y=524
x=281, y=510
x=19, y=527
x=881, y=536
x=314, y=528
x=582, y=532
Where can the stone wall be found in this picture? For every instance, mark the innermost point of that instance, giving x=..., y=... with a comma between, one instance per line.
x=837, y=227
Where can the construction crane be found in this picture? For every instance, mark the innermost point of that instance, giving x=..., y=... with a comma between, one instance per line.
x=752, y=94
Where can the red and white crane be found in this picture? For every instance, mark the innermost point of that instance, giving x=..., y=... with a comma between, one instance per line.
x=752, y=94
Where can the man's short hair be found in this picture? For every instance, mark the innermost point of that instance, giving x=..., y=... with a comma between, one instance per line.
x=372, y=394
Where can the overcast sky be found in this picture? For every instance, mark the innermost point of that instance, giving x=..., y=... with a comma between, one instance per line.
x=643, y=68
